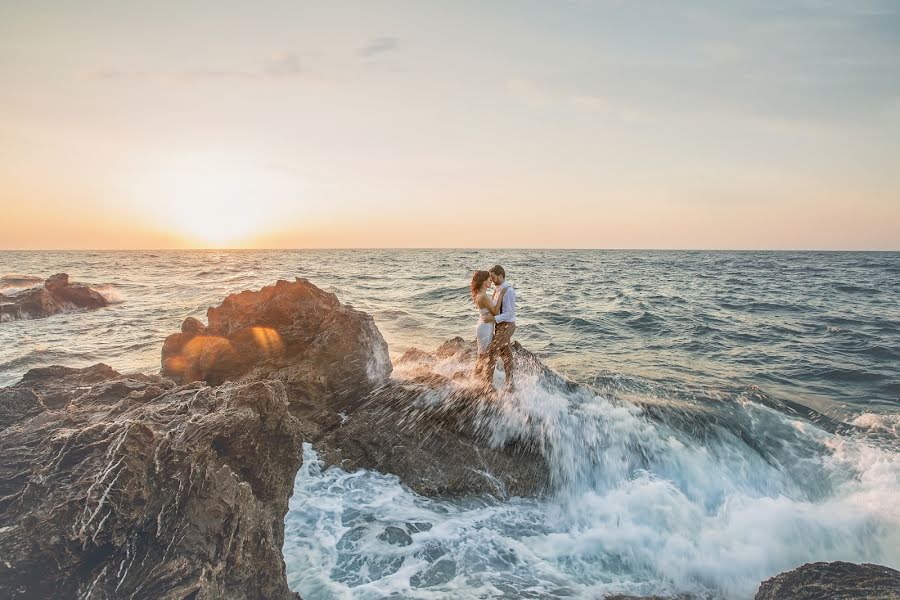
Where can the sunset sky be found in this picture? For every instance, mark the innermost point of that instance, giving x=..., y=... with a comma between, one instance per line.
x=604, y=124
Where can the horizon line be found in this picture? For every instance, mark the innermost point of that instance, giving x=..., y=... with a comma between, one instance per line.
x=362, y=248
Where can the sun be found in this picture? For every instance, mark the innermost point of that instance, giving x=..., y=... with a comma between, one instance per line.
x=221, y=202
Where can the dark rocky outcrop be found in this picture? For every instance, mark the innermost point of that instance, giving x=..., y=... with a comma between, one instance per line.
x=436, y=432
x=56, y=295
x=121, y=486
x=291, y=331
x=430, y=430
x=837, y=580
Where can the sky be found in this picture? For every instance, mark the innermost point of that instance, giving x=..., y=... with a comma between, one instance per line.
x=521, y=124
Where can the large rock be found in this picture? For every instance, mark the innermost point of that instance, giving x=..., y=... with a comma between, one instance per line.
x=115, y=486
x=54, y=296
x=291, y=331
x=835, y=580
x=433, y=431
x=437, y=432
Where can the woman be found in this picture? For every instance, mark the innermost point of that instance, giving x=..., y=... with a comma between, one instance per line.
x=484, y=330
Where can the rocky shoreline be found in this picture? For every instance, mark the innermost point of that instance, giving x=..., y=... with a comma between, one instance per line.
x=176, y=486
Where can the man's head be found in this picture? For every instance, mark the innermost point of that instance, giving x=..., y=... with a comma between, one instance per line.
x=498, y=275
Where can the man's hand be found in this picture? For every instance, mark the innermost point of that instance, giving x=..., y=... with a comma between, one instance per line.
x=489, y=318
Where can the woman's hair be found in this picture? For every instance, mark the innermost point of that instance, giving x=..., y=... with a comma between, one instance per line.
x=478, y=279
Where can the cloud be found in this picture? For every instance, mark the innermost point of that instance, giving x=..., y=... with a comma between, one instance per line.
x=282, y=65
x=379, y=45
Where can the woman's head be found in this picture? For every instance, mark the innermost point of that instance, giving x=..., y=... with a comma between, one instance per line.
x=480, y=279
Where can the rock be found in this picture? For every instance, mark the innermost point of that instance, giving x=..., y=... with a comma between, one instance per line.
x=436, y=433
x=55, y=296
x=838, y=580
x=431, y=431
x=396, y=536
x=16, y=404
x=291, y=331
x=136, y=488
x=192, y=327
x=57, y=282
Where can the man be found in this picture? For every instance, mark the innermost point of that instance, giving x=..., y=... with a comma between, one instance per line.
x=504, y=329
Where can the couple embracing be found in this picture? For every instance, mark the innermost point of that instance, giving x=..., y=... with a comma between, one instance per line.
x=496, y=323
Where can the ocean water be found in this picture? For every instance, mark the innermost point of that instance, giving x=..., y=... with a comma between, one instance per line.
x=739, y=416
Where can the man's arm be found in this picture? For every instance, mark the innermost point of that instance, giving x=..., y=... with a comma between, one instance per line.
x=509, y=307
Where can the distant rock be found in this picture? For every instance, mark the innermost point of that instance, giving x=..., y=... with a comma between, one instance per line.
x=54, y=296
x=291, y=331
x=834, y=580
x=135, y=488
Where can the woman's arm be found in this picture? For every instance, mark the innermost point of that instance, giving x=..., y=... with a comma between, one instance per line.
x=494, y=309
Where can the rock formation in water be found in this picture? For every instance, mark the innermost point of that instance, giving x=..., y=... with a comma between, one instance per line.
x=130, y=486
x=126, y=486
x=291, y=331
x=427, y=429
x=54, y=296
x=846, y=581
x=434, y=431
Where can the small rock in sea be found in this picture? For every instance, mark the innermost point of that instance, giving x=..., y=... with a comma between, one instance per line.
x=54, y=296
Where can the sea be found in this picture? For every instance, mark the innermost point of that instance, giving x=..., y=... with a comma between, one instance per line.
x=738, y=414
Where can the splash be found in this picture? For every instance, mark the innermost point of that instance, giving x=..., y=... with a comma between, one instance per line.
x=658, y=496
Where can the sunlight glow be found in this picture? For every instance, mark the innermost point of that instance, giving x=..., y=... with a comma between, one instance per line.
x=219, y=202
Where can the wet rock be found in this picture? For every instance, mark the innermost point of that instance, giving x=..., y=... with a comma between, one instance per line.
x=430, y=430
x=54, y=296
x=395, y=536
x=291, y=331
x=847, y=581
x=434, y=431
x=135, y=488
x=58, y=282
x=439, y=573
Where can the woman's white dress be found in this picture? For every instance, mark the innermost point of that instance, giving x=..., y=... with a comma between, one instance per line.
x=484, y=332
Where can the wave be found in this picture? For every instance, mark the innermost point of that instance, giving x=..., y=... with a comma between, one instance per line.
x=11, y=283
x=112, y=293
x=656, y=497
x=39, y=356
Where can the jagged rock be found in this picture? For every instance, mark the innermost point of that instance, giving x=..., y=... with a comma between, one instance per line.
x=56, y=295
x=135, y=488
x=291, y=331
x=428, y=429
x=16, y=404
x=838, y=580
x=435, y=431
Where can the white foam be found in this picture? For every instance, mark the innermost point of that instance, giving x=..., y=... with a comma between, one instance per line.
x=640, y=508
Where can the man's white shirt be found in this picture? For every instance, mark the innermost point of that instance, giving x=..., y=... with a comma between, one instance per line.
x=508, y=314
